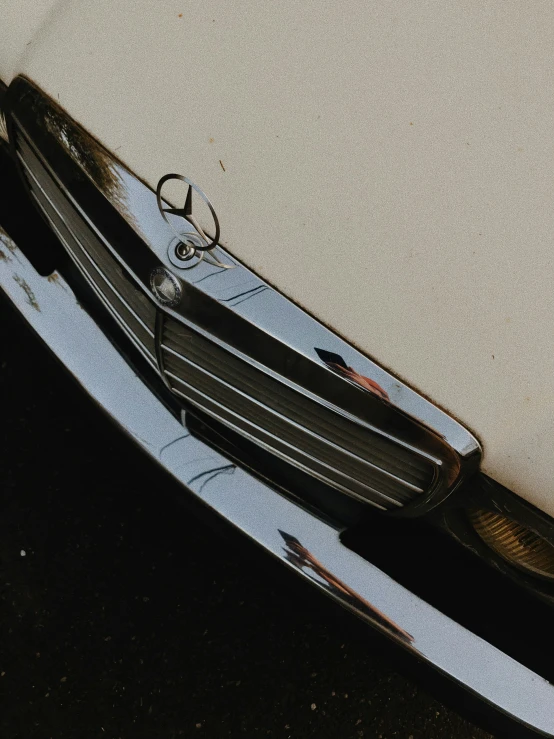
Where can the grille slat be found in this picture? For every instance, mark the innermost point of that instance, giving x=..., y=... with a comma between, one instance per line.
x=135, y=329
x=131, y=314
x=125, y=302
x=86, y=238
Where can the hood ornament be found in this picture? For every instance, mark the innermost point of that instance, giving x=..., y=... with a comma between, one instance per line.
x=191, y=245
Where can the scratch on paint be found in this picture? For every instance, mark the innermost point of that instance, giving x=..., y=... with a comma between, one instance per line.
x=31, y=299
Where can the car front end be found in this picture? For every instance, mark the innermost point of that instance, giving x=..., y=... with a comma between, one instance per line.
x=251, y=389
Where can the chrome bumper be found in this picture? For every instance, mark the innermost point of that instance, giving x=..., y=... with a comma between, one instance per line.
x=300, y=540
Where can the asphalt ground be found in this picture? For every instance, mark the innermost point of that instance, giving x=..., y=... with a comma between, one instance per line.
x=123, y=615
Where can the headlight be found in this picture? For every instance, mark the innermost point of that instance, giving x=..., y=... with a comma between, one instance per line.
x=517, y=544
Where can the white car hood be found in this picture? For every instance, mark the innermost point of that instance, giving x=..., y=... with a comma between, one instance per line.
x=386, y=165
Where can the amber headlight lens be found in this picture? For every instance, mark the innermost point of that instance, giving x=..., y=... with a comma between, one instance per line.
x=515, y=543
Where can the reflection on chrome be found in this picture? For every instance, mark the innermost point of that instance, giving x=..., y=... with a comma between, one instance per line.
x=206, y=476
x=336, y=363
x=302, y=559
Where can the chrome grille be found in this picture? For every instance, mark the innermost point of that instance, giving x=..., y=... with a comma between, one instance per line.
x=337, y=450
x=126, y=302
x=256, y=371
x=332, y=447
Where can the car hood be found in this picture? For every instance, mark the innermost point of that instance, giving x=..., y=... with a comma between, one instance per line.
x=389, y=168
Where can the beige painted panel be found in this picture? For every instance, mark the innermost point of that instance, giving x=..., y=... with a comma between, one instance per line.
x=389, y=165
x=20, y=21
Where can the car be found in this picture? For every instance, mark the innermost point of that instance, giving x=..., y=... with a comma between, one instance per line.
x=302, y=256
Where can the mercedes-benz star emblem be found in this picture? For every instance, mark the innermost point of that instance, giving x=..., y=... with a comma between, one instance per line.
x=166, y=287
x=186, y=211
x=189, y=243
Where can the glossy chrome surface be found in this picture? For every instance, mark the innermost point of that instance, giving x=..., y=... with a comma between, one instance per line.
x=393, y=447
x=309, y=546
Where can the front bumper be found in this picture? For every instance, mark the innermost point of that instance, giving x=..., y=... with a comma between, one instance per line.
x=302, y=541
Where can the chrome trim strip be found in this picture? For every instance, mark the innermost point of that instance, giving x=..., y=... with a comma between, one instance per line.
x=305, y=544
x=289, y=421
x=144, y=351
x=160, y=320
